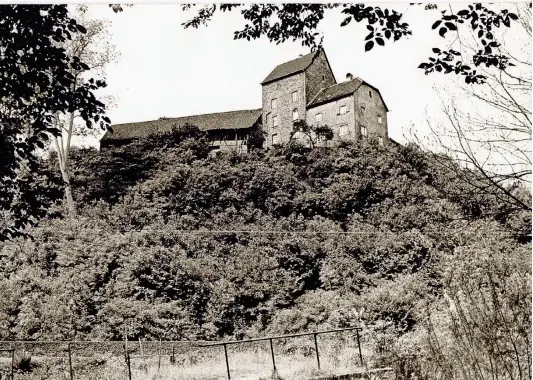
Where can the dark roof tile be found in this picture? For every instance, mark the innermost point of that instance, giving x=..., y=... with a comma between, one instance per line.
x=292, y=67
x=336, y=91
x=222, y=120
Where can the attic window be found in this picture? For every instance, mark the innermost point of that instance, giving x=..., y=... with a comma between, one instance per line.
x=380, y=120
x=274, y=121
x=380, y=140
x=275, y=139
x=370, y=94
x=274, y=103
x=343, y=109
x=318, y=117
x=323, y=77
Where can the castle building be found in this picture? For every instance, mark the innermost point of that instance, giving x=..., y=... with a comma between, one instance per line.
x=302, y=89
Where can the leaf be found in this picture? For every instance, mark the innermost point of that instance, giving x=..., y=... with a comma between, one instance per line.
x=513, y=16
x=464, y=12
x=387, y=34
x=369, y=45
x=436, y=50
x=436, y=24
x=81, y=28
x=346, y=21
x=442, y=31
x=380, y=41
x=370, y=27
x=451, y=26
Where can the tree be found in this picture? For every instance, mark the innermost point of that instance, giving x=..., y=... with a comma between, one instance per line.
x=489, y=129
x=37, y=85
x=256, y=138
x=314, y=133
x=94, y=49
x=300, y=22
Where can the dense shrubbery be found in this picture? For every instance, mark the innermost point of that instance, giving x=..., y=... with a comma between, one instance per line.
x=126, y=260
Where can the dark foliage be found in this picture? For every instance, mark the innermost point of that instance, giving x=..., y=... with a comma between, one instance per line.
x=300, y=22
x=37, y=83
x=355, y=226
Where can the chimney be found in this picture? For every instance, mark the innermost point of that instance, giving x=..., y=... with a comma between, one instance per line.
x=300, y=55
x=349, y=77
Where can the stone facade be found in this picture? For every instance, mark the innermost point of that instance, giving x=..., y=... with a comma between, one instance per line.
x=352, y=109
x=318, y=76
x=343, y=125
x=371, y=113
x=282, y=91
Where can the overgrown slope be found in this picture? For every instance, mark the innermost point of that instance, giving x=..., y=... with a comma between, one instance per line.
x=354, y=234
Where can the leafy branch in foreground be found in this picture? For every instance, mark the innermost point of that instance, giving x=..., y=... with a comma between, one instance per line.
x=37, y=84
x=300, y=22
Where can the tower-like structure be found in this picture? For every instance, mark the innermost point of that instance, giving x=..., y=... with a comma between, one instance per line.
x=288, y=89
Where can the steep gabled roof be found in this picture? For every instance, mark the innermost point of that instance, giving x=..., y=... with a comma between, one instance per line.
x=221, y=120
x=340, y=90
x=334, y=92
x=289, y=68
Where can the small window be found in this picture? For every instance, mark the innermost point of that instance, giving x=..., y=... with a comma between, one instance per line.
x=275, y=139
x=295, y=115
x=343, y=130
x=318, y=117
x=370, y=94
x=380, y=120
x=364, y=131
x=363, y=108
x=274, y=103
x=343, y=109
x=295, y=96
x=380, y=140
x=323, y=77
x=275, y=121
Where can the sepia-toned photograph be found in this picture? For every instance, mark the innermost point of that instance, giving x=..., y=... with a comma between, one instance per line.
x=281, y=191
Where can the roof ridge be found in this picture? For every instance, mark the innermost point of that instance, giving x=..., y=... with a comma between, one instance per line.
x=212, y=113
x=346, y=81
x=166, y=118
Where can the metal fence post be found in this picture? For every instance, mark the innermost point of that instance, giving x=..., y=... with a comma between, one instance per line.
x=272, y=352
x=359, y=346
x=70, y=363
x=128, y=364
x=159, y=356
x=12, y=364
x=227, y=362
x=173, y=357
x=316, y=351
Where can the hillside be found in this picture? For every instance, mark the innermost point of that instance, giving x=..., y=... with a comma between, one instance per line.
x=357, y=234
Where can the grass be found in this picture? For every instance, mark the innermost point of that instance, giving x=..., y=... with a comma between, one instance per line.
x=246, y=361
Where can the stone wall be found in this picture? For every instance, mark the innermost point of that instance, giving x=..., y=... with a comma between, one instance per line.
x=282, y=90
x=318, y=76
x=333, y=119
x=373, y=107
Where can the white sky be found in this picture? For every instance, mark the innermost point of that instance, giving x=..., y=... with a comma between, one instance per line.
x=165, y=70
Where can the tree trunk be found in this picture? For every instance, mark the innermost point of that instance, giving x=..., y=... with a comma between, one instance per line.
x=61, y=157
